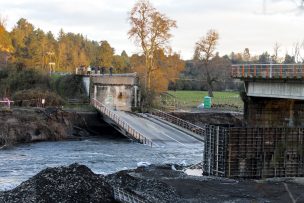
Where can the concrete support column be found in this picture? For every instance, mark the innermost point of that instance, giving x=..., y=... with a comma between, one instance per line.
x=135, y=95
x=95, y=91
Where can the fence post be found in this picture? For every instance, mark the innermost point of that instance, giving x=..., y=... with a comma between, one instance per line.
x=209, y=152
x=217, y=148
x=243, y=71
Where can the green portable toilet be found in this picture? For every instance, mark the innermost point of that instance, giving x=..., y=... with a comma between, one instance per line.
x=207, y=102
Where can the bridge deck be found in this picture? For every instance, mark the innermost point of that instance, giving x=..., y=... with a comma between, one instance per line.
x=145, y=129
x=160, y=133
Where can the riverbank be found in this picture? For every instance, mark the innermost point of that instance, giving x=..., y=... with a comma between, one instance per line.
x=212, y=117
x=166, y=183
x=24, y=125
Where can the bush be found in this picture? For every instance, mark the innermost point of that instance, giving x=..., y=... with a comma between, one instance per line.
x=148, y=100
x=14, y=79
x=70, y=86
x=33, y=97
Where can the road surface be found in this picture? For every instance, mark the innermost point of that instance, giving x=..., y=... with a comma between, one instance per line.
x=160, y=133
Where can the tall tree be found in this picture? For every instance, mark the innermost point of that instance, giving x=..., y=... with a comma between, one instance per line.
x=5, y=42
x=289, y=59
x=264, y=58
x=276, y=49
x=150, y=30
x=246, y=55
x=20, y=37
x=36, y=45
x=205, y=49
x=106, y=54
x=169, y=67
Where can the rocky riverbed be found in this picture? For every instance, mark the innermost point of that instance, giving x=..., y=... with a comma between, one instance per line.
x=167, y=183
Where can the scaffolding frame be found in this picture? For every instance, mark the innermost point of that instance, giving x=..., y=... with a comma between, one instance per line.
x=243, y=152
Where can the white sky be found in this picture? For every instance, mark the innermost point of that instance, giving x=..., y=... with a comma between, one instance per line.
x=240, y=23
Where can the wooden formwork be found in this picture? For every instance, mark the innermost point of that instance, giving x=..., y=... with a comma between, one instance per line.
x=265, y=152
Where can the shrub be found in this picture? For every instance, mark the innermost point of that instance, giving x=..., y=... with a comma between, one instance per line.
x=14, y=79
x=70, y=86
x=33, y=97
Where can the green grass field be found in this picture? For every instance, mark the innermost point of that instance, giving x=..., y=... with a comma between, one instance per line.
x=194, y=98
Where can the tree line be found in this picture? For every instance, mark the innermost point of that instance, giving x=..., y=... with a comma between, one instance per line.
x=33, y=48
x=157, y=65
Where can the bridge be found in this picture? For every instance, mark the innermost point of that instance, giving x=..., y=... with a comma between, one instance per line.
x=115, y=96
x=271, y=80
x=275, y=94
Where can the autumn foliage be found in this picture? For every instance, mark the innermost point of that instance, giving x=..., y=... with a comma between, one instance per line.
x=150, y=30
x=167, y=69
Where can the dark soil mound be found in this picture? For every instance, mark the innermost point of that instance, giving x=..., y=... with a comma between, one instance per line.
x=149, y=189
x=212, y=118
x=75, y=183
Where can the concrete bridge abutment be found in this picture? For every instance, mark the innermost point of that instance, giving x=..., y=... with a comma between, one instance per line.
x=118, y=91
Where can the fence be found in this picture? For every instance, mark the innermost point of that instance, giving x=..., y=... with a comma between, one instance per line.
x=29, y=102
x=130, y=131
x=180, y=122
x=127, y=197
x=275, y=71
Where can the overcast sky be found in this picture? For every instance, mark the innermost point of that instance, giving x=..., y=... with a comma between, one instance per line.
x=240, y=23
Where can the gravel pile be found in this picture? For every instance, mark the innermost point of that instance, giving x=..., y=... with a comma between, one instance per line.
x=75, y=183
x=159, y=184
x=150, y=189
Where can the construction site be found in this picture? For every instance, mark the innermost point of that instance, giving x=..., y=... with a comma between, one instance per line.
x=269, y=143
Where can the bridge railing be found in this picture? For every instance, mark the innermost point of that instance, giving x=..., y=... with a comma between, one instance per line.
x=127, y=197
x=134, y=134
x=180, y=122
x=268, y=71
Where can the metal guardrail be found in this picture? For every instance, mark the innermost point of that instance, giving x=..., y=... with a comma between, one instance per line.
x=180, y=122
x=269, y=71
x=134, y=134
x=126, y=197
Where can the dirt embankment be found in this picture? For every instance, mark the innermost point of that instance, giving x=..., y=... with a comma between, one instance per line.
x=37, y=124
x=161, y=184
x=212, y=118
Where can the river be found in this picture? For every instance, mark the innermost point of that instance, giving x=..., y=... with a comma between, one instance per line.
x=103, y=155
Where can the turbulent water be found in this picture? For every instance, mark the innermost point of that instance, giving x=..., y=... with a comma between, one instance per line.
x=102, y=155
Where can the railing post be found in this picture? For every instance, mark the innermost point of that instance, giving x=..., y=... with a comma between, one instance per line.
x=243, y=71
x=248, y=72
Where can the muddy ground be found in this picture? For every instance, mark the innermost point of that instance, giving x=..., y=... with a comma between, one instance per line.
x=77, y=183
x=211, y=117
